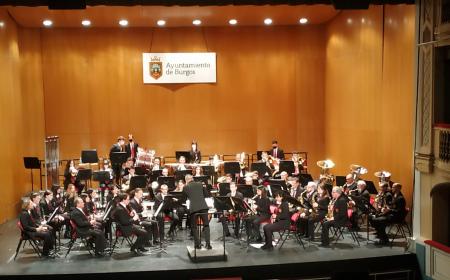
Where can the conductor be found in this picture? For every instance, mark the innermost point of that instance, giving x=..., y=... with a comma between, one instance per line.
x=196, y=193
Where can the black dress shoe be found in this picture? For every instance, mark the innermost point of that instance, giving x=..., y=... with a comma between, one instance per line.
x=142, y=249
x=227, y=234
x=267, y=247
x=324, y=245
x=258, y=239
x=99, y=254
x=382, y=242
x=208, y=246
x=198, y=247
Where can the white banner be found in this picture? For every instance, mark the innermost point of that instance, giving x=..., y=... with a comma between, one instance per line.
x=168, y=68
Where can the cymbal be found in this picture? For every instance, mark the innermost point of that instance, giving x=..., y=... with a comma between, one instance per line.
x=325, y=164
x=382, y=173
x=358, y=169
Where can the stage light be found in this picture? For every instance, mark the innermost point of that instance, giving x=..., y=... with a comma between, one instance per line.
x=47, y=23
x=233, y=21
x=161, y=22
x=196, y=22
x=268, y=21
x=303, y=20
x=123, y=22
x=86, y=22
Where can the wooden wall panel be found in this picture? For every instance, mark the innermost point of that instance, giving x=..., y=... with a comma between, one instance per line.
x=21, y=114
x=369, y=92
x=269, y=86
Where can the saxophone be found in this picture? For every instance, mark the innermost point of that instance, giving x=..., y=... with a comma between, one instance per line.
x=330, y=209
x=313, y=212
x=301, y=199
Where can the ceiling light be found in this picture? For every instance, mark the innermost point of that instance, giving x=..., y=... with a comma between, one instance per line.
x=47, y=23
x=161, y=22
x=303, y=20
x=268, y=21
x=86, y=22
x=123, y=22
x=2, y=24
x=232, y=21
x=349, y=21
x=196, y=22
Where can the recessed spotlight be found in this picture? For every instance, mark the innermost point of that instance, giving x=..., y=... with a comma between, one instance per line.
x=349, y=21
x=303, y=20
x=86, y=22
x=123, y=22
x=47, y=23
x=232, y=21
x=161, y=22
x=268, y=21
x=196, y=22
x=2, y=24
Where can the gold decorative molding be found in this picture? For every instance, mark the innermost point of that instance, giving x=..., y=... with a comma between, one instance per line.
x=424, y=162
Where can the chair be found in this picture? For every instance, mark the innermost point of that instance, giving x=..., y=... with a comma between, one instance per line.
x=293, y=229
x=119, y=234
x=400, y=229
x=339, y=230
x=24, y=237
x=73, y=238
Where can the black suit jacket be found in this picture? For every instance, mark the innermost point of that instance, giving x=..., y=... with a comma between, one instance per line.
x=196, y=193
x=263, y=206
x=283, y=214
x=114, y=149
x=82, y=222
x=398, y=207
x=123, y=218
x=238, y=195
x=28, y=223
x=340, y=211
x=280, y=153
x=128, y=149
x=361, y=199
x=136, y=206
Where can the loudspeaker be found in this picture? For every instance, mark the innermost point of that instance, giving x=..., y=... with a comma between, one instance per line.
x=67, y=4
x=350, y=4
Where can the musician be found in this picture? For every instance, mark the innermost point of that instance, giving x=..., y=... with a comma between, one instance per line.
x=233, y=193
x=48, y=205
x=182, y=209
x=34, y=229
x=131, y=148
x=126, y=167
x=36, y=211
x=195, y=155
x=156, y=164
x=276, y=152
x=70, y=175
x=298, y=161
x=296, y=188
x=383, y=199
x=196, y=193
x=90, y=202
x=127, y=178
x=284, y=176
x=250, y=183
x=198, y=171
x=394, y=213
x=262, y=207
x=240, y=157
x=339, y=218
x=269, y=166
x=165, y=172
x=69, y=198
x=113, y=195
x=127, y=220
x=165, y=211
x=306, y=198
x=136, y=197
x=181, y=164
x=107, y=184
x=319, y=211
x=85, y=227
x=282, y=220
x=361, y=199
x=117, y=147
x=350, y=183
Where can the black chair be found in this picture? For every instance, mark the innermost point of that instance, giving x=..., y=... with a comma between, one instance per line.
x=84, y=240
x=400, y=229
x=119, y=234
x=292, y=230
x=24, y=238
x=339, y=230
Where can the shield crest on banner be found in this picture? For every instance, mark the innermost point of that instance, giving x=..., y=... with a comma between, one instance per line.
x=156, y=69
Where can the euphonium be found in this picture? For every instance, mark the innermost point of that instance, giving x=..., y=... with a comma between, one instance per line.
x=301, y=199
x=330, y=209
x=313, y=210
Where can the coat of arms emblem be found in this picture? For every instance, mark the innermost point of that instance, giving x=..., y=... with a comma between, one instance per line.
x=156, y=68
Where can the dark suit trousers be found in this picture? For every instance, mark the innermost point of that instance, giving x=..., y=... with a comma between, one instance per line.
x=47, y=236
x=380, y=223
x=269, y=229
x=99, y=238
x=142, y=236
x=203, y=214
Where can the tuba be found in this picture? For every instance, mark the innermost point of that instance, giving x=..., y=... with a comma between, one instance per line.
x=357, y=171
x=325, y=166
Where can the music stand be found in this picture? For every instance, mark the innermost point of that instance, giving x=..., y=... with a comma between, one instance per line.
x=246, y=190
x=340, y=180
x=261, y=167
x=274, y=189
x=370, y=186
x=185, y=154
x=305, y=178
x=293, y=201
x=89, y=156
x=224, y=189
x=139, y=181
x=279, y=182
x=84, y=174
x=101, y=176
x=118, y=158
x=140, y=170
x=155, y=174
x=208, y=170
x=259, y=155
x=223, y=203
x=203, y=179
x=33, y=163
x=167, y=180
x=288, y=166
x=238, y=204
x=180, y=174
x=232, y=167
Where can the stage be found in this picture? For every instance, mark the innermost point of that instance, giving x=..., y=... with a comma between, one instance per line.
x=242, y=261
